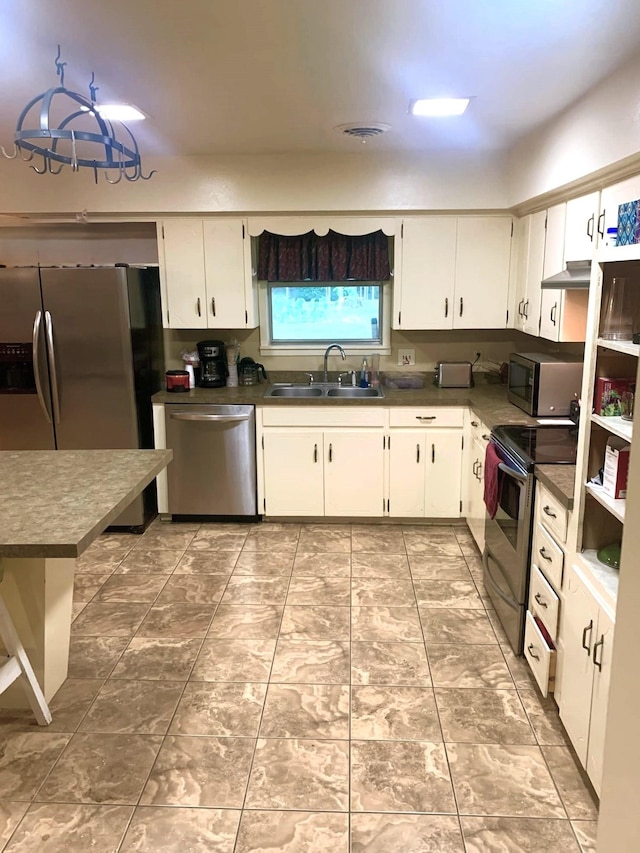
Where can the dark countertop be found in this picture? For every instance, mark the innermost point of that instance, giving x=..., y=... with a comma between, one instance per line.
x=488, y=401
x=54, y=503
x=560, y=480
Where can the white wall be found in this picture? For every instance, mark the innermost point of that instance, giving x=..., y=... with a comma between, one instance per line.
x=600, y=129
x=361, y=181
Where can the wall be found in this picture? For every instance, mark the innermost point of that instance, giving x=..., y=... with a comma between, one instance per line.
x=362, y=181
x=600, y=129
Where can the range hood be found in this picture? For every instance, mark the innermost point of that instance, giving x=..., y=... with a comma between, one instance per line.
x=576, y=275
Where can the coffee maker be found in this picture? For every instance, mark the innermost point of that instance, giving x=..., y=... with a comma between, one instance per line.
x=213, y=364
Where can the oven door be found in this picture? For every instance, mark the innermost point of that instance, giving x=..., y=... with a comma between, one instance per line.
x=508, y=535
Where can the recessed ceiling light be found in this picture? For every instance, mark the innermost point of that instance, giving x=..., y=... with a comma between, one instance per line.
x=120, y=112
x=439, y=106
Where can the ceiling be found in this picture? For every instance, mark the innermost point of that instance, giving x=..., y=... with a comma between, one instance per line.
x=276, y=76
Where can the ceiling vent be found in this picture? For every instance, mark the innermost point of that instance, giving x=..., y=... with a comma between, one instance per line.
x=362, y=130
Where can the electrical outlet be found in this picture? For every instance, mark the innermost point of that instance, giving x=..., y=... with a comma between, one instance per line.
x=406, y=357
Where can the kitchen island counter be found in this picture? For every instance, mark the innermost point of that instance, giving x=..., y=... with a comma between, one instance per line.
x=53, y=505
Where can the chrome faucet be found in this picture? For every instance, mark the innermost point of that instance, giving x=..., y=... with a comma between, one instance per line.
x=326, y=356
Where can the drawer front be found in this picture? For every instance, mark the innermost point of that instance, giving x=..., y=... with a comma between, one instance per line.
x=543, y=602
x=478, y=430
x=426, y=416
x=547, y=555
x=551, y=513
x=357, y=416
x=540, y=657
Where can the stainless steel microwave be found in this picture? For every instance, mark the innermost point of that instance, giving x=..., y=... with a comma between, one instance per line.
x=543, y=385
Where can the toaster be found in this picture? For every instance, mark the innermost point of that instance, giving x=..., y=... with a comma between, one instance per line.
x=454, y=374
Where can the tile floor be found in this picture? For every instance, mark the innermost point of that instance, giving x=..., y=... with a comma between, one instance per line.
x=292, y=689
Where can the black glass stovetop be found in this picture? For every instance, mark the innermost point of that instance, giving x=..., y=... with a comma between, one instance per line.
x=540, y=445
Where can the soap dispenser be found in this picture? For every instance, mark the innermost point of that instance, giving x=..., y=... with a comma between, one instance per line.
x=363, y=374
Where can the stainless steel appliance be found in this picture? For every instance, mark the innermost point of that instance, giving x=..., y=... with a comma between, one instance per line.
x=213, y=364
x=507, y=549
x=80, y=356
x=213, y=471
x=454, y=374
x=542, y=384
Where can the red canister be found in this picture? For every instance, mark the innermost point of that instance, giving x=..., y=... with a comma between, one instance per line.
x=177, y=380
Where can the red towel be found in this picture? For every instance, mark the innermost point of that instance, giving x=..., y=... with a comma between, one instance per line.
x=491, y=480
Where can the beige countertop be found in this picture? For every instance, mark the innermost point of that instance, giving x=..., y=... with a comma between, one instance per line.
x=488, y=401
x=54, y=503
x=560, y=480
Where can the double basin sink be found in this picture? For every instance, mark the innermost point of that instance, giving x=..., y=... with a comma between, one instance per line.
x=321, y=390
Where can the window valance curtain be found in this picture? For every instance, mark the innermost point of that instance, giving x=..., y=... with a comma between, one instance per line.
x=332, y=257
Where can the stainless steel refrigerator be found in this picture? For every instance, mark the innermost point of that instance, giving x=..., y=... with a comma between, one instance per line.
x=81, y=353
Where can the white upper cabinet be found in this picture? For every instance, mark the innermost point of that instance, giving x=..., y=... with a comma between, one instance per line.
x=483, y=253
x=611, y=197
x=207, y=274
x=581, y=227
x=531, y=243
x=428, y=273
x=454, y=273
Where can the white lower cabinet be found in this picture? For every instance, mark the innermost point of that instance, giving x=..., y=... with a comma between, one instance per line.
x=587, y=634
x=424, y=473
x=474, y=511
x=353, y=473
x=293, y=472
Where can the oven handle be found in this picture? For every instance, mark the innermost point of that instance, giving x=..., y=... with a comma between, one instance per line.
x=221, y=419
x=485, y=562
x=510, y=471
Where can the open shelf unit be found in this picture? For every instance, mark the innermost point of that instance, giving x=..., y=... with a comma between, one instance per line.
x=615, y=425
x=616, y=506
x=625, y=347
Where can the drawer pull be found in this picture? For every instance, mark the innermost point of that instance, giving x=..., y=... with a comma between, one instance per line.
x=475, y=424
x=548, y=512
x=589, y=628
x=530, y=649
x=599, y=644
x=543, y=553
x=486, y=436
x=540, y=600
x=426, y=417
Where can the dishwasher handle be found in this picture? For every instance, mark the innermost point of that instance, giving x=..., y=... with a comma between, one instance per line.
x=220, y=419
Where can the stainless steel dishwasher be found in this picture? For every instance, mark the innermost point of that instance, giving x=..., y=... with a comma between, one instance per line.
x=213, y=471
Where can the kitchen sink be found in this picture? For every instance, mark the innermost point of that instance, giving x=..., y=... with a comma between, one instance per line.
x=294, y=391
x=354, y=392
x=321, y=390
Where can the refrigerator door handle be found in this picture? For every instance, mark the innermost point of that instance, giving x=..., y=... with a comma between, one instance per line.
x=37, y=326
x=48, y=328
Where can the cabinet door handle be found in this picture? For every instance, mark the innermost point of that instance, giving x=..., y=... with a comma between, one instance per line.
x=548, y=512
x=543, y=553
x=446, y=306
x=315, y=452
x=552, y=315
x=331, y=453
x=425, y=417
x=213, y=305
x=417, y=452
x=433, y=453
x=198, y=308
x=530, y=649
x=599, y=644
x=540, y=600
x=486, y=436
x=479, y=472
x=525, y=310
x=590, y=223
x=588, y=628
x=461, y=305
x=601, y=224
x=475, y=424
x=475, y=468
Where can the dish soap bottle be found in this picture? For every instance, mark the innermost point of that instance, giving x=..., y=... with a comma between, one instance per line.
x=363, y=374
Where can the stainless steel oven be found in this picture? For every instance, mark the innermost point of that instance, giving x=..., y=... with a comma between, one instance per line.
x=508, y=535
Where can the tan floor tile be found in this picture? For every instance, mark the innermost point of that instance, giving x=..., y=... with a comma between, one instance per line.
x=158, y=659
x=131, y=587
x=246, y=621
x=420, y=782
x=386, y=624
x=451, y=625
x=102, y=769
x=143, y=561
x=207, y=563
x=452, y=594
x=100, y=560
x=483, y=716
x=439, y=568
x=525, y=790
x=409, y=833
x=390, y=663
x=321, y=622
x=72, y=828
x=386, y=592
x=300, y=774
x=177, y=620
x=25, y=760
x=293, y=832
x=133, y=707
x=87, y=584
x=306, y=711
x=311, y=662
x=109, y=619
x=94, y=657
x=159, y=539
x=193, y=589
x=544, y=718
x=208, y=539
x=208, y=772
x=327, y=540
x=234, y=660
x=322, y=565
x=383, y=542
x=10, y=815
x=578, y=799
x=394, y=713
x=263, y=564
x=468, y=666
x=318, y=590
x=380, y=566
x=284, y=542
x=178, y=830
x=587, y=834
x=255, y=590
x=219, y=709
x=524, y=835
